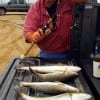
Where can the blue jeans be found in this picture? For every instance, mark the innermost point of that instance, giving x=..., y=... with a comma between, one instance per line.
x=54, y=55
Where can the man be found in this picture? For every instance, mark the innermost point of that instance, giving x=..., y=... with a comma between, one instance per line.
x=48, y=24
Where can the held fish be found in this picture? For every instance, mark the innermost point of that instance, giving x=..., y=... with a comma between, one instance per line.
x=49, y=87
x=64, y=96
x=54, y=76
x=48, y=69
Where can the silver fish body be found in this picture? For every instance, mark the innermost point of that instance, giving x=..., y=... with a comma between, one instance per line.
x=49, y=87
x=49, y=69
x=55, y=76
x=65, y=96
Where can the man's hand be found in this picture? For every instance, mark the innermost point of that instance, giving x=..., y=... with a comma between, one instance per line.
x=38, y=35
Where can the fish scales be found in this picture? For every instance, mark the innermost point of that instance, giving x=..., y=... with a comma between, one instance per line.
x=49, y=87
x=49, y=69
x=55, y=76
x=64, y=96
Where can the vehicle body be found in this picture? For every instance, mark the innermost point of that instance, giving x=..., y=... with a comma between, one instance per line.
x=15, y=5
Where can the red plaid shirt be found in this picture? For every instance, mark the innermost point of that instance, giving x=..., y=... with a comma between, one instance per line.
x=59, y=40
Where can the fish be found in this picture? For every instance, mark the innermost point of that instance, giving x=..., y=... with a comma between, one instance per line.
x=49, y=87
x=54, y=76
x=63, y=96
x=49, y=69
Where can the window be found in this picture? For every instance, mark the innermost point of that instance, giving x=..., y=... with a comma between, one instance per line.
x=13, y=1
x=21, y=1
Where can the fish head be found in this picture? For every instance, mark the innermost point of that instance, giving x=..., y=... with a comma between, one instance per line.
x=74, y=68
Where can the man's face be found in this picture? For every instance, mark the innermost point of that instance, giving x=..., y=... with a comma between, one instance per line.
x=49, y=3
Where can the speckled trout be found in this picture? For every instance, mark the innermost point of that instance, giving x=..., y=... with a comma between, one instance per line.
x=49, y=87
x=48, y=69
x=54, y=76
x=65, y=96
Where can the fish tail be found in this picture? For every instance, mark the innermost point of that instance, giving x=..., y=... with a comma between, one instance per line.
x=20, y=93
x=18, y=86
x=23, y=96
x=35, y=74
